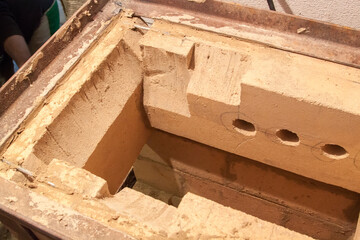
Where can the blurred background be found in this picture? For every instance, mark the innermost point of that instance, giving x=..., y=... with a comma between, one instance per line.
x=342, y=12
x=71, y=6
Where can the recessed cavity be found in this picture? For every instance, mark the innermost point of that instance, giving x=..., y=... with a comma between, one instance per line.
x=244, y=127
x=334, y=151
x=287, y=137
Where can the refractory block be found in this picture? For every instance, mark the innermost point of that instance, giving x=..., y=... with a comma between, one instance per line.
x=284, y=109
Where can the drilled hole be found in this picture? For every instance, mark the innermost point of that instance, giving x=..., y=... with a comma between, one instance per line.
x=334, y=151
x=244, y=127
x=287, y=137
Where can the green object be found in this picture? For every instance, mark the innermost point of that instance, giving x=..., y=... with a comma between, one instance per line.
x=53, y=16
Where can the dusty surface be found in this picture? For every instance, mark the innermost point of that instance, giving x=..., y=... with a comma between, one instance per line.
x=73, y=180
x=70, y=214
x=196, y=218
x=82, y=140
x=28, y=88
x=272, y=90
x=71, y=6
x=177, y=166
x=57, y=212
x=319, y=40
x=99, y=100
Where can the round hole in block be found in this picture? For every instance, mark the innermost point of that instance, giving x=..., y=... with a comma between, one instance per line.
x=334, y=151
x=287, y=137
x=244, y=127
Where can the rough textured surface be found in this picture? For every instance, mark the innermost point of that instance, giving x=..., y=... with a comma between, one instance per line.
x=29, y=86
x=166, y=64
x=93, y=119
x=73, y=180
x=216, y=221
x=196, y=218
x=276, y=93
x=98, y=103
x=339, y=12
x=35, y=209
x=71, y=216
x=177, y=166
x=156, y=193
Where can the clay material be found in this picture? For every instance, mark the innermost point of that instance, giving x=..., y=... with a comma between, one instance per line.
x=86, y=129
x=95, y=118
x=177, y=165
x=197, y=218
x=74, y=180
x=283, y=109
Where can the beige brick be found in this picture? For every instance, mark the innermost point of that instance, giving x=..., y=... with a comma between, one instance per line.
x=206, y=219
x=159, y=176
x=217, y=78
x=249, y=100
x=195, y=218
x=156, y=193
x=166, y=61
x=74, y=180
x=144, y=209
x=178, y=165
x=95, y=118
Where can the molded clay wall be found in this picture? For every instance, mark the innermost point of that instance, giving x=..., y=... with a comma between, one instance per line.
x=342, y=12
